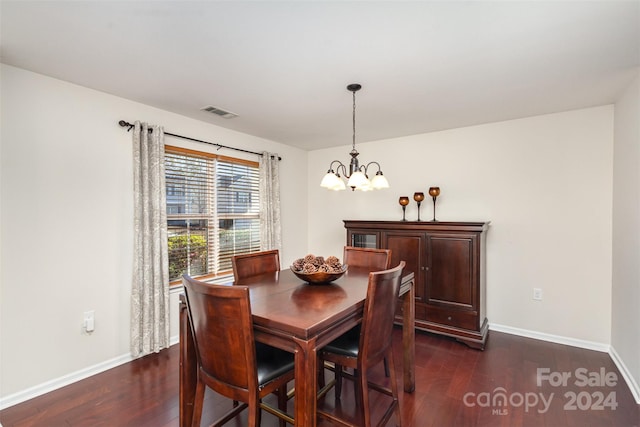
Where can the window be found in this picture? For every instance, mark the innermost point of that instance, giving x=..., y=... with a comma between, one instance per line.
x=212, y=211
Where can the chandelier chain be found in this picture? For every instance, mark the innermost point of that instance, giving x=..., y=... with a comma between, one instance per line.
x=354, y=121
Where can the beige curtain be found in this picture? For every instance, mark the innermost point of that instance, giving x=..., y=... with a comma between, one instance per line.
x=270, y=229
x=150, y=287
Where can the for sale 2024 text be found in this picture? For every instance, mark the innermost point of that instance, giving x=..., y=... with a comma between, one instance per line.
x=582, y=377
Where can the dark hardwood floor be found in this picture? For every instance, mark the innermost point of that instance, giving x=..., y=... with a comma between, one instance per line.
x=455, y=386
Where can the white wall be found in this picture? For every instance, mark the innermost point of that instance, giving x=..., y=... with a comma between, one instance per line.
x=544, y=182
x=66, y=221
x=625, y=337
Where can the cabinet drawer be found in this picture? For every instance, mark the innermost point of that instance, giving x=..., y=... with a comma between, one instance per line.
x=459, y=319
x=420, y=310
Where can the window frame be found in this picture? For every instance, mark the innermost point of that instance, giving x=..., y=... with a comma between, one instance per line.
x=214, y=217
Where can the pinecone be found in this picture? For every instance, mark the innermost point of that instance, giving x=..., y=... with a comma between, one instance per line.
x=334, y=262
x=298, y=264
x=309, y=268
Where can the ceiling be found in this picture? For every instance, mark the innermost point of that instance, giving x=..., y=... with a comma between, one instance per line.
x=283, y=67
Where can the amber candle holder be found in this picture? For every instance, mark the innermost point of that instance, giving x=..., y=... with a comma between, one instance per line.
x=434, y=192
x=418, y=197
x=404, y=201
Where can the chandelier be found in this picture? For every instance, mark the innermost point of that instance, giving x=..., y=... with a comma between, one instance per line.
x=357, y=176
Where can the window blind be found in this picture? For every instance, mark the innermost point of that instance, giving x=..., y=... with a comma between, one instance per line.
x=212, y=211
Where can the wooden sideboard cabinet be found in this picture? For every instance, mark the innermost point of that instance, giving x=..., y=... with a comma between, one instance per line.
x=448, y=261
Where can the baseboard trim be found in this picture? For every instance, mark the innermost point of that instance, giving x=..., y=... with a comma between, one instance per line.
x=589, y=345
x=65, y=380
x=558, y=339
x=631, y=382
x=49, y=386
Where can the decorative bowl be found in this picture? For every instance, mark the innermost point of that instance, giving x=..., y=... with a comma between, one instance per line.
x=320, y=277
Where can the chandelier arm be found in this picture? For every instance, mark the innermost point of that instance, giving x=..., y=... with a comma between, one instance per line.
x=369, y=164
x=344, y=169
x=331, y=164
x=338, y=169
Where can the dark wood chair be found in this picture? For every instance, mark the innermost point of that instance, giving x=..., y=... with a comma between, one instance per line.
x=247, y=265
x=229, y=361
x=375, y=259
x=366, y=346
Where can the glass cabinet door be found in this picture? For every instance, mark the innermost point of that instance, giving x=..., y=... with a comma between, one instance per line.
x=363, y=239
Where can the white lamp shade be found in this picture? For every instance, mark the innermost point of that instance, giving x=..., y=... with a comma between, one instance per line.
x=357, y=180
x=365, y=187
x=379, y=181
x=330, y=180
x=339, y=185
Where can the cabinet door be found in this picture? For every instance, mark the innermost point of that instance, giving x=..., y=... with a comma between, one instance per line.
x=452, y=275
x=408, y=247
x=363, y=239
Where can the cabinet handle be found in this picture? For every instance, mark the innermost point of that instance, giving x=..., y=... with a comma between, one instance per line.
x=449, y=318
x=422, y=268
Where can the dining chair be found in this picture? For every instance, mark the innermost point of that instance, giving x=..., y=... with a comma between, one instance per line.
x=375, y=259
x=247, y=265
x=365, y=346
x=229, y=360
x=252, y=264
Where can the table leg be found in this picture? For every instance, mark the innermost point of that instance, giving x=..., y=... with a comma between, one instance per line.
x=188, y=371
x=306, y=383
x=409, y=339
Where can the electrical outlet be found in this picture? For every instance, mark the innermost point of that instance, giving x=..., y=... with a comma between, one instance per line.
x=89, y=321
x=537, y=294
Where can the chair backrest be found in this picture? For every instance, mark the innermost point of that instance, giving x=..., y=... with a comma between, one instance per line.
x=374, y=259
x=247, y=265
x=222, y=328
x=379, y=314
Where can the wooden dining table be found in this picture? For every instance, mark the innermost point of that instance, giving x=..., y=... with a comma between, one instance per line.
x=301, y=318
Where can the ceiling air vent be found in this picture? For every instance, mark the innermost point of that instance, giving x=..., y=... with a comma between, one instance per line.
x=219, y=112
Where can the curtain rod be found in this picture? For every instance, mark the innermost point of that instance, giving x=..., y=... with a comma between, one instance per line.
x=125, y=124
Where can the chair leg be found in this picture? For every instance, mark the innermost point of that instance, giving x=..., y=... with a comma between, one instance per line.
x=282, y=403
x=338, y=372
x=321, y=382
x=386, y=368
x=197, y=404
x=254, y=414
x=394, y=390
x=357, y=378
x=362, y=396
